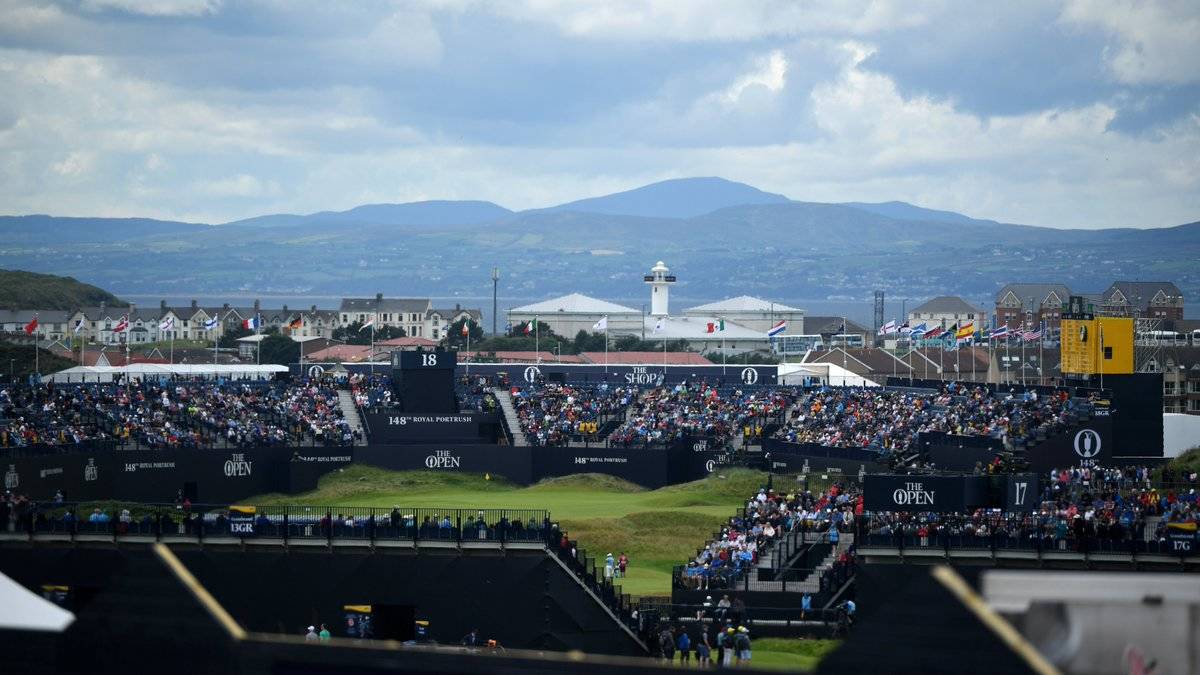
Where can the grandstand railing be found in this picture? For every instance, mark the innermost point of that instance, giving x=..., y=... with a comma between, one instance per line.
x=274, y=523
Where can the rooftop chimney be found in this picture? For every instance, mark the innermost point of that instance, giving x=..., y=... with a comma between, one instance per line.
x=162, y=305
x=285, y=309
x=194, y=305
x=314, y=308
x=379, y=297
x=256, y=305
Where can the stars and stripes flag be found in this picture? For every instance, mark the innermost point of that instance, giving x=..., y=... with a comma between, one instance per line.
x=1033, y=335
x=777, y=328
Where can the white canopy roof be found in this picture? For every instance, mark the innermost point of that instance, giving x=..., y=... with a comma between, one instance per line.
x=828, y=373
x=742, y=303
x=24, y=610
x=106, y=373
x=575, y=303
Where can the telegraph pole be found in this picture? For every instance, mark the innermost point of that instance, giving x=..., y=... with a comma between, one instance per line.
x=495, y=287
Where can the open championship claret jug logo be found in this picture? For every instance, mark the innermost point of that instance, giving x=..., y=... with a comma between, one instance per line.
x=749, y=375
x=91, y=472
x=238, y=465
x=11, y=479
x=913, y=494
x=1087, y=443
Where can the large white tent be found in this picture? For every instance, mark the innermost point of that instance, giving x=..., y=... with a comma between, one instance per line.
x=162, y=370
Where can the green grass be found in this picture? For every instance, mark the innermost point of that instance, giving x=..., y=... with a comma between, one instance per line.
x=790, y=654
x=657, y=529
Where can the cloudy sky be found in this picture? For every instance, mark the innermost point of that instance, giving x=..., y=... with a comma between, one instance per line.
x=1073, y=114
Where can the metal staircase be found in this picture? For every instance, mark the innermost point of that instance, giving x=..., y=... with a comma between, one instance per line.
x=350, y=412
x=510, y=416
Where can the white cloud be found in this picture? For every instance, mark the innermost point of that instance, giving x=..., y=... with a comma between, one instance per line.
x=241, y=185
x=771, y=75
x=1157, y=42
x=707, y=20
x=156, y=7
x=74, y=164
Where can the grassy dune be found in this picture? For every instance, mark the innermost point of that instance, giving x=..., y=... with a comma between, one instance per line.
x=655, y=528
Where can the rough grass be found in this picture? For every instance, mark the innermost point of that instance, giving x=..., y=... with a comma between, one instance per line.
x=790, y=653
x=657, y=529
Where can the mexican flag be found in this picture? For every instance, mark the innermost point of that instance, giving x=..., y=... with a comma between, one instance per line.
x=531, y=326
x=715, y=327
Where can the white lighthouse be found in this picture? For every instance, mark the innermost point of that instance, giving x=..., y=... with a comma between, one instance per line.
x=660, y=288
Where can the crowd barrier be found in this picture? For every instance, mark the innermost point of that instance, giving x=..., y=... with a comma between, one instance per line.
x=137, y=521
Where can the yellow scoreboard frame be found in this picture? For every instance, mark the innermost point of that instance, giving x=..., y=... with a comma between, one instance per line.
x=1084, y=339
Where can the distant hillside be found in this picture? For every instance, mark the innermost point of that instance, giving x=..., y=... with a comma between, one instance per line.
x=415, y=214
x=29, y=290
x=720, y=237
x=679, y=198
x=20, y=358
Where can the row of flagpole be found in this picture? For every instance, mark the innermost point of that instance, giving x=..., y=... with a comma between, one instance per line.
x=967, y=334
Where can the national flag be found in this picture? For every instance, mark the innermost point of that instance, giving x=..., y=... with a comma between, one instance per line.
x=31, y=326
x=211, y=323
x=904, y=329
x=465, y=331
x=777, y=328
x=966, y=332
x=919, y=330
x=122, y=325
x=79, y=325
x=531, y=326
x=888, y=328
x=252, y=323
x=296, y=323
x=1032, y=335
x=661, y=325
x=602, y=324
x=936, y=332
x=167, y=323
x=999, y=332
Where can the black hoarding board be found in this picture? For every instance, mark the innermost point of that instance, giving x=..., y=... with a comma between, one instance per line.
x=512, y=462
x=391, y=428
x=1182, y=543
x=77, y=475
x=645, y=466
x=1021, y=493
x=309, y=464
x=784, y=462
x=1090, y=444
x=939, y=494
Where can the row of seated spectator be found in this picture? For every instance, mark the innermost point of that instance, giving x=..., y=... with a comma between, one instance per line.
x=1076, y=506
x=375, y=391
x=669, y=413
x=768, y=517
x=890, y=419
x=174, y=414
x=551, y=414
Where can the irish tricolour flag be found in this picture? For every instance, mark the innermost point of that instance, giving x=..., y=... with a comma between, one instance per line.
x=777, y=329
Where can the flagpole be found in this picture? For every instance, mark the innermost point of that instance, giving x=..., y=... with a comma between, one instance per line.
x=1042, y=352
x=606, y=347
x=171, y=360
x=37, y=361
x=301, y=346
x=467, y=327
x=128, y=336
x=537, y=341
x=371, y=354
x=258, y=343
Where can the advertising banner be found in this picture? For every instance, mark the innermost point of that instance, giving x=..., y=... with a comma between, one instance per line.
x=937, y=494
x=512, y=462
x=389, y=428
x=1090, y=444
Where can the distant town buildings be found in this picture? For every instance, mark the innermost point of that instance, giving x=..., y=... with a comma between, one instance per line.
x=1032, y=304
x=946, y=311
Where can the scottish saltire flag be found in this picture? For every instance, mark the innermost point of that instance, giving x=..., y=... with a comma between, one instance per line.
x=919, y=330
x=777, y=329
x=210, y=323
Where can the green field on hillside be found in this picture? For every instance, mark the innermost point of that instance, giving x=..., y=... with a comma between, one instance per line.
x=655, y=528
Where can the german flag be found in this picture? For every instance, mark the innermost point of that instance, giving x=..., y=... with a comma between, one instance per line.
x=296, y=322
